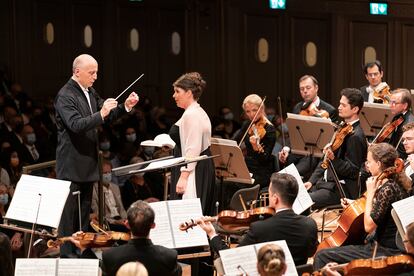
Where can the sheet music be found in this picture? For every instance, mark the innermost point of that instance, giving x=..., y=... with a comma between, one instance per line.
x=78, y=267
x=161, y=234
x=163, y=163
x=181, y=211
x=303, y=200
x=44, y=267
x=246, y=257
x=404, y=209
x=26, y=198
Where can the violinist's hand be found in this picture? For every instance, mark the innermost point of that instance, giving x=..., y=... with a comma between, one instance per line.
x=283, y=155
x=207, y=226
x=371, y=185
x=131, y=101
x=108, y=105
x=329, y=269
x=16, y=241
x=329, y=154
x=254, y=142
x=74, y=239
x=410, y=158
x=308, y=185
x=182, y=183
x=345, y=202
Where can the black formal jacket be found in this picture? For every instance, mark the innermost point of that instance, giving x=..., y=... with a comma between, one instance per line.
x=397, y=133
x=364, y=93
x=333, y=112
x=347, y=163
x=157, y=259
x=300, y=233
x=76, y=152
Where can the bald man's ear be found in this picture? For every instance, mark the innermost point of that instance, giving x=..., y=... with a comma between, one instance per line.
x=126, y=223
x=153, y=225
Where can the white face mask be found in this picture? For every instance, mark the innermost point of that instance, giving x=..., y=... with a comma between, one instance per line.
x=131, y=137
x=31, y=138
x=4, y=199
x=107, y=177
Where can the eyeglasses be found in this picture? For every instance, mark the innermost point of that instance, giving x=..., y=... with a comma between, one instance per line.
x=407, y=139
x=373, y=75
x=394, y=103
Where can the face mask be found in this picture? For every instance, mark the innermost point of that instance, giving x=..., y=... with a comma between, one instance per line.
x=107, y=177
x=31, y=138
x=131, y=137
x=14, y=161
x=270, y=117
x=4, y=199
x=148, y=151
x=228, y=116
x=105, y=145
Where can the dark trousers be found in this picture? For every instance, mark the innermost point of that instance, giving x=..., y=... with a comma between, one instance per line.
x=324, y=196
x=345, y=254
x=69, y=222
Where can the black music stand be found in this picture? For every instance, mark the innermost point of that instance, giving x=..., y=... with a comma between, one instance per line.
x=373, y=117
x=230, y=164
x=308, y=134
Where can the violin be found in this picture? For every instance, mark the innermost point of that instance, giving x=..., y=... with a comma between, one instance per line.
x=231, y=220
x=310, y=109
x=392, y=265
x=258, y=131
x=350, y=229
x=387, y=129
x=92, y=240
x=382, y=93
x=337, y=140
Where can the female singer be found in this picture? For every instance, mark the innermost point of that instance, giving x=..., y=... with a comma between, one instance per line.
x=259, y=141
x=192, y=133
x=378, y=222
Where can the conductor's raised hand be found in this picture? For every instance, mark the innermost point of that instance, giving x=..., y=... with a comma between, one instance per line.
x=108, y=105
x=131, y=101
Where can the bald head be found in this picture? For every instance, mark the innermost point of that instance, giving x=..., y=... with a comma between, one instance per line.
x=85, y=70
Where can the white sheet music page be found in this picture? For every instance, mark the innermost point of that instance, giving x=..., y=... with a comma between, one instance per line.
x=26, y=199
x=239, y=260
x=78, y=267
x=43, y=266
x=161, y=234
x=182, y=211
x=290, y=263
x=404, y=209
x=303, y=200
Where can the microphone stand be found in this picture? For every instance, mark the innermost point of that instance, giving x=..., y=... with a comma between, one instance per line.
x=33, y=227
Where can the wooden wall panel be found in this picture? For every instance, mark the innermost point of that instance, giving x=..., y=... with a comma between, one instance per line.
x=407, y=56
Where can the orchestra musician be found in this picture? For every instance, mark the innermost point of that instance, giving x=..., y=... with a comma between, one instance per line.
x=347, y=159
x=400, y=106
x=373, y=73
x=259, y=141
x=408, y=142
x=382, y=190
x=192, y=133
x=308, y=87
x=300, y=232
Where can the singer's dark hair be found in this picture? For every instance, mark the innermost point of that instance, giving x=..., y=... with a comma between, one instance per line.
x=6, y=264
x=140, y=218
x=285, y=186
x=271, y=260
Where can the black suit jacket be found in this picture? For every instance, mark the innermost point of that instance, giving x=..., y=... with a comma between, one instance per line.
x=300, y=233
x=347, y=163
x=396, y=135
x=157, y=259
x=76, y=152
x=333, y=113
x=364, y=93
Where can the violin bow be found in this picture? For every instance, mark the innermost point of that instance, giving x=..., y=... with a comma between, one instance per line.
x=254, y=119
x=336, y=178
x=279, y=102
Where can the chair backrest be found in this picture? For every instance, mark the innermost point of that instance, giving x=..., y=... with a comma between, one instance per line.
x=248, y=194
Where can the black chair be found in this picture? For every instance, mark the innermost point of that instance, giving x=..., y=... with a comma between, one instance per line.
x=249, y=196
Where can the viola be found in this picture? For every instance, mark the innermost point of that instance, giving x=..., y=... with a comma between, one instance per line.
x=387, y=129
x=337, y=140
x=258, y=131
x=310, y=109
x=231, y=220
x=382, y=93
x=392, y=265
x=92, y=240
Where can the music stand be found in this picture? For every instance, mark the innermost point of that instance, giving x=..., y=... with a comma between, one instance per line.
x=373, y=117
x=229, y=164
x=308, y=134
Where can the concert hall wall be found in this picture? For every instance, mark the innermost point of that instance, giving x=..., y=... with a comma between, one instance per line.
x=219, y=38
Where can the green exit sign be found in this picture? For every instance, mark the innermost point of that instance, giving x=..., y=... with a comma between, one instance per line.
x=277, y=4
x=378, y=8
